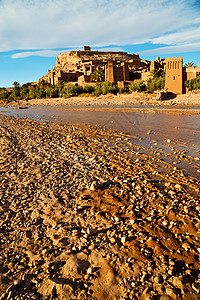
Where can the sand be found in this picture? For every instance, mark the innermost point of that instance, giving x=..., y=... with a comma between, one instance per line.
x=84, y=218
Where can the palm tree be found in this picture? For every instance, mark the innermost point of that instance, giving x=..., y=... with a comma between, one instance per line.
x=16, y=89
x=98, y=76
x=190, y=64
x=157, y=72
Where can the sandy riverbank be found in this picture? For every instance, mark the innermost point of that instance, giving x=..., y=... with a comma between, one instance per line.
x=129, y=99
x=81, y=220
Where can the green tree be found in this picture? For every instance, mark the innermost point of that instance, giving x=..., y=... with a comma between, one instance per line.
x=105, y=88
x=138, y=85
x=88, y=89
x=16, y=90
x=32, y=93
x=189, y=65
x=193, y=84
x=42, y=84
x=157, y=72
x=98, y=76
x=24, y=92
x=155, y=84
x=71, y=90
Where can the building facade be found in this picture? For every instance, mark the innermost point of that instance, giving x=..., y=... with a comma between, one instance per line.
x=177, y=75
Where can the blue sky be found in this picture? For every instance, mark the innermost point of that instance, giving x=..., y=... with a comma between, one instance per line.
x=34, y=32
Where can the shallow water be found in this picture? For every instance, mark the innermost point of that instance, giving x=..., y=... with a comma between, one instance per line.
x=150, y=130
x=184, y=128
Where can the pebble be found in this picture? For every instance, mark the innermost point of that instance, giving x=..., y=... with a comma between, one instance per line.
x=76, y=226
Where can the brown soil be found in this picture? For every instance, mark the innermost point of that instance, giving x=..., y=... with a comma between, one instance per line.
x=81, y=219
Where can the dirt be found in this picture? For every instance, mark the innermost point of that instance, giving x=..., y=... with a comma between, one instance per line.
x=83, y=217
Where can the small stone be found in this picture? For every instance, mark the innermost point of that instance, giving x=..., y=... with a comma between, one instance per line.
x=165, y=297
x=112, y=240
x=164, y=223
x=93, y=186
x=186, y=246
x=132, y=221
x=178, y=187
x=89, y=271
x=123, y=240
x=17, y=282
x=177, y=283
x=170, y=292
x=158, y=279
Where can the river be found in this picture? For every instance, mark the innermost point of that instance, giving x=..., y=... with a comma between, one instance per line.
x=175, y=136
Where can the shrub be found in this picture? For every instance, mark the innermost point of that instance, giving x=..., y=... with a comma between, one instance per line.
x=155, y=84
x=138, y=85
x=52, y=92
x=88, y=89
x=105, y=88
x=24, y=92
x=71, y=90
x=5, y=95
x=98, y=89
x=41, y=93
x=193, y=84
x=32, y=93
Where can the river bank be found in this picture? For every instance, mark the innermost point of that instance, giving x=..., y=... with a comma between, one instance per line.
x=120, y=99
x=85, y=214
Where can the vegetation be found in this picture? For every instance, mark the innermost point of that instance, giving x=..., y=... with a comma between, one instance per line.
x=98, y=76
x=193, y=84
x=105, y=88
x=156, y=83
x=46, y=90
x=138, y=86
x=189, y=65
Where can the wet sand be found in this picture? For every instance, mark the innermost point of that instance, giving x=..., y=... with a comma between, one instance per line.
x=87, y=214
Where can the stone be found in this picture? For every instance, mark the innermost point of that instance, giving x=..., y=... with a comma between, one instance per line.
x=123, y=240
x=158, y=279
x=170, y=292
x=186, y=246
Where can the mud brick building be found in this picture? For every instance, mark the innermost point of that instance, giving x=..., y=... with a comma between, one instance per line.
x=78, y=66
x=118, y=67
x=176, y=75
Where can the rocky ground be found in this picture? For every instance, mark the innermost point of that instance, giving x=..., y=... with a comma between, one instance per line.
x=85, y=217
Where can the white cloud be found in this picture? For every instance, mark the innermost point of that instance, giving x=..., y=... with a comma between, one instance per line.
x=182, y=37
x=193, y=47
x=51, y=24
x=42, y=53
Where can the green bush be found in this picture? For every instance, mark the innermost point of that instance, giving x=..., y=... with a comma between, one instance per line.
x=32, y=93
x=193, y=84
x=105, y=88
x=52, y=92
x=41, y=93
x=71, y=90
x=88, y=89
x=155, y=84
x=138, y=85
x=4, y=95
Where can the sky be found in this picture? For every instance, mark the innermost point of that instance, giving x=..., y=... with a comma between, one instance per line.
x=34, y=32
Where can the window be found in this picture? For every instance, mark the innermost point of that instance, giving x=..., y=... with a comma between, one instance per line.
x=174, y=78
